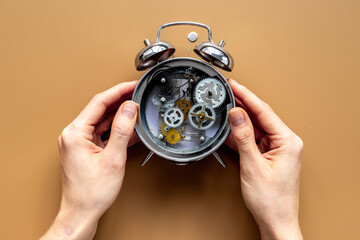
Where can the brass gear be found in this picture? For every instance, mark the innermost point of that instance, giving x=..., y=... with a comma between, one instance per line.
x=162, y=129
x=172, y=136
x=185, y=106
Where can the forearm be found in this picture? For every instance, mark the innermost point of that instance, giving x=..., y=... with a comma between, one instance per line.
x=72, y=225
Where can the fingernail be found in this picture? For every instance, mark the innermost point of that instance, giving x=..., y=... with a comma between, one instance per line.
x=231, y=80
x=129, y=109
x=237, y=118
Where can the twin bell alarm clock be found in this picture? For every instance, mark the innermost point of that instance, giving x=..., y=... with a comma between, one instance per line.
x=183, y=101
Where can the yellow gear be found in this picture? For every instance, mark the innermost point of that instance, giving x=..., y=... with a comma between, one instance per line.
x=162, y=129
x=172, y=136
x=184, y=105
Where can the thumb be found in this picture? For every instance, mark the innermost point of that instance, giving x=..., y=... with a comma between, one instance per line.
x=243, y=133
x=122, y=130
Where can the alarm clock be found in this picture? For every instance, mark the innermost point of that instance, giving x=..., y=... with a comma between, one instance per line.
x=183, y=101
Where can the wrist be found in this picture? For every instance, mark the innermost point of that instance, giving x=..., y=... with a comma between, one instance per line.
x=73, y=224
x=289, y=230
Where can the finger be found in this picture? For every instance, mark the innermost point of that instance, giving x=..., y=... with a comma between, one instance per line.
x=121, y=131
x=258, y=132
x=238, y=103
x=134, y=139
x=230, y=142
x=95, y=111
x=105, y=124
x=265, y=117
x=243, y=134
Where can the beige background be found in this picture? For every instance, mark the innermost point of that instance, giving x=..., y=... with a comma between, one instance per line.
x=302, y=57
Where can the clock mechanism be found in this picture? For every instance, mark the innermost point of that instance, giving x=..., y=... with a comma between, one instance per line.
x=183, y=101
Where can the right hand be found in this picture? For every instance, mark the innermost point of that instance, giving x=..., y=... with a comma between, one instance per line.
x=269, y=165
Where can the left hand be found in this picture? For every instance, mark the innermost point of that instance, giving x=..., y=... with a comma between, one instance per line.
x=92, y=169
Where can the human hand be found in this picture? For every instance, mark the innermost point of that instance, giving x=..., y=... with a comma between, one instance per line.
x=93, y=169
x=269, y=165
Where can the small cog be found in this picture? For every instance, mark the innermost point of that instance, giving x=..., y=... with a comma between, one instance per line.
x=164, y=129
x=172, y=136
x=210, y=91
x=173, y=117
x=184, y=106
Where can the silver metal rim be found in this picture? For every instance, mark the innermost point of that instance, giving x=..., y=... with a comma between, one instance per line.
x=185, y=156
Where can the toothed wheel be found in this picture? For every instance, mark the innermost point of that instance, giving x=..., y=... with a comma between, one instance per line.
x=202, y=116
x=172, y=136
x=162, y=103
x=164, y=129
x=210, y=91
x=185, y=106
x=173, y=117
x=170, y=86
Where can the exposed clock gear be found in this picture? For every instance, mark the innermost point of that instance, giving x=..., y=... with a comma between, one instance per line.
x=162, y=103
x=210, y=91
x=164, y=129
x=183, y=101
x=185, y=106
x=172, y=136
x=173, y=117
x=202, y=116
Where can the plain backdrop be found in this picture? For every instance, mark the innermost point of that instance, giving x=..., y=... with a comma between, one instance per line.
x=302, y=57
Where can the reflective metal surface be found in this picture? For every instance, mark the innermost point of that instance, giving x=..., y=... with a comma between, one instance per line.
x=190, y=129
x=192, y=37
x=215, y=54
x=160, y=51
x=185, y=23
x=152, y=54
x=147, y=133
